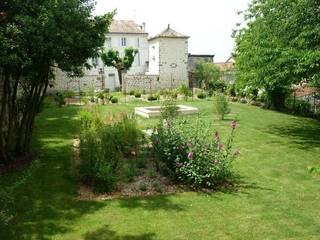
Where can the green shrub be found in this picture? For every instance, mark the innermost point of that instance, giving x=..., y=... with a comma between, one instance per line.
x=60, y=99
x=185, y=91
x=143, y=186
x=217, y=86
x=131, y=93
x=69, y=93
x=129, y=172
x=137, y=94
x=221, y=106
x=114, y=100
x=232, y=90
x=201, y=95
x=153, y=97
x=103, y=143
x=299, y=107
x=169, y=110
x=189, y=156
x=158, y=187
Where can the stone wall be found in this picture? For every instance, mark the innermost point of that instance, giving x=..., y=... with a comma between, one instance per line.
x=63, y=82
x=148, y=83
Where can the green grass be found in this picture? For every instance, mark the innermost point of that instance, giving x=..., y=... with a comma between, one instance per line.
x=277, y=197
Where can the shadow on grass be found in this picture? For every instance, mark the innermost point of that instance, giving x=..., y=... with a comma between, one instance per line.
x=302, y=132
x=238, y=185
x=151, y=203
x=46, y=203
x=105, y=233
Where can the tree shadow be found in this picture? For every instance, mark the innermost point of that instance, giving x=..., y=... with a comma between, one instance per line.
x=46, y=204
x=151, y=203
x=304, y=133
x=105, y=233
x=238, y=186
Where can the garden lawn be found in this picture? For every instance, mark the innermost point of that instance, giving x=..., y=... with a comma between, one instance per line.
x=277, y=198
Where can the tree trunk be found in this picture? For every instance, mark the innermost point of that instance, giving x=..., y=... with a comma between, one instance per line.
x=3, y=120
x=120, y=78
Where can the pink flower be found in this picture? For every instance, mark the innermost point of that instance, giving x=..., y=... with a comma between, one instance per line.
x=190, y=155
x=233, y=124
x=216, y=136
x=219, y=146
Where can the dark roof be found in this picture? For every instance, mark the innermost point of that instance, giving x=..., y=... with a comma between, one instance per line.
x=126, y=26
x=201, y=55
x=169, y=33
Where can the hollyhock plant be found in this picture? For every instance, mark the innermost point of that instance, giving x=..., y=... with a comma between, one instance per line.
x=190, y=156
x=234, y=124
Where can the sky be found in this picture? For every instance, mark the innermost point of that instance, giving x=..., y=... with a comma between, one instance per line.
x=209, y=23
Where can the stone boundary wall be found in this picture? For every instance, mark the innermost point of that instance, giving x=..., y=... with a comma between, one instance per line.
x=148, y=83
x=62, y=82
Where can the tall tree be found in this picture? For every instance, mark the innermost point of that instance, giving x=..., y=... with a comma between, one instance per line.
x=112, y=58
x=35, y=37
x=278, y=46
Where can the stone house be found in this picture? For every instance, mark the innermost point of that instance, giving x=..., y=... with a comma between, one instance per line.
x=161, y=62
x=167, y=66
x=122, y=34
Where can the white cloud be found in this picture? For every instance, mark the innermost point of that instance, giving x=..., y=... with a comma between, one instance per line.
x=209, y=23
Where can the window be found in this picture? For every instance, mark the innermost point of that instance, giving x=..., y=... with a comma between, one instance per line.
x=108, y=42
x=123, y=42
x=95, y=61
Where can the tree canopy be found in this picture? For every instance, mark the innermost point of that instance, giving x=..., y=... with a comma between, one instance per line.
x=112, y=58
x=36, y=36
x=278, y=46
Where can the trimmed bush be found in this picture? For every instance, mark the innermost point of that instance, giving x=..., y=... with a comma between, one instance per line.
x=201, y=95
x=114, y=100
x=137, y=94
x=131, y=93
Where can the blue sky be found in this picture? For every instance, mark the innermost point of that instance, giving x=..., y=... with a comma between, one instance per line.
x=209, y=23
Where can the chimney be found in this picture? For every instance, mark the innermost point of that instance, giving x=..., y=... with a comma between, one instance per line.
x=168, y=25
x=144, y=26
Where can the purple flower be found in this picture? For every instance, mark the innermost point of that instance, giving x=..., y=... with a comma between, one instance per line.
x=216, y=136
x=219, y=146
x=190, y=155
x=233, y=124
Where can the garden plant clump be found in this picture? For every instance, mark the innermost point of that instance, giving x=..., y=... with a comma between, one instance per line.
x=189, y=156
x=104, y=142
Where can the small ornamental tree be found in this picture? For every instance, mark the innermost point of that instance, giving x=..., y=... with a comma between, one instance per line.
x=112, y=58
x=206, y=72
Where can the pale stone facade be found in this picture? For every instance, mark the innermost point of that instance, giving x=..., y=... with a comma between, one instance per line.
x=122, y=34
x=168, y=59
x=161, y=62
